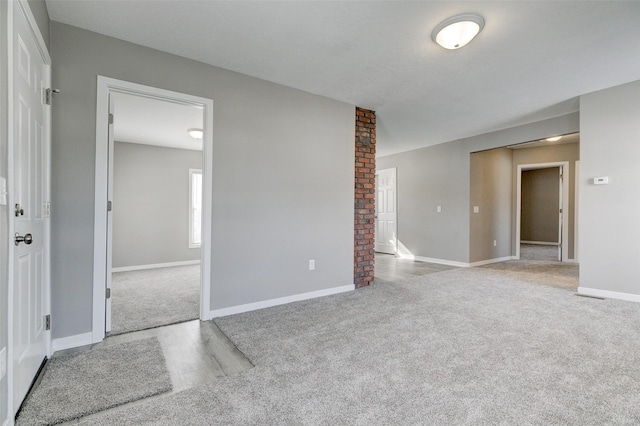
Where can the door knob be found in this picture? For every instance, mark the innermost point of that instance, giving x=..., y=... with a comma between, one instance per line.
x=27, y=239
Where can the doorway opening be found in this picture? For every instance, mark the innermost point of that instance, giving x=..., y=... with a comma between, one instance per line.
x=142, y=228
x=542, y=219
x=155, y=186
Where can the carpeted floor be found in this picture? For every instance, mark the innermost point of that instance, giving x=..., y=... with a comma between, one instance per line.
x=538, y=252
x=466, y=346
x=154, y=297
x=79, y=384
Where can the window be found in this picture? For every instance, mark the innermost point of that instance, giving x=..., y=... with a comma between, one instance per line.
x=195, y=208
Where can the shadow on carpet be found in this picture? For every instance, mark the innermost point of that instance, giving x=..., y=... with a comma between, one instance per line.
x=80, y=384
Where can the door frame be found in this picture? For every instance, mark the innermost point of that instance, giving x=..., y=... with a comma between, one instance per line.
x=105, y=86
x=42, y=48
x=564, y=202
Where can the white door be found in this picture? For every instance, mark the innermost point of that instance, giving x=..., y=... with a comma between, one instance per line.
x=30, y=146
x=386, y=214
x=560, y=212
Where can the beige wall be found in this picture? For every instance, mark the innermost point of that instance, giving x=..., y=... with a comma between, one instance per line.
x=540, y=205
x=491, y=189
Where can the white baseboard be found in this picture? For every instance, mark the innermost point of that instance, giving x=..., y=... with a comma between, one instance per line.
x=438, y=261
x=72, y=341
x=609, y=294
x=279, y=301
x=540, y=243
x=490, y=261
x=154, y=266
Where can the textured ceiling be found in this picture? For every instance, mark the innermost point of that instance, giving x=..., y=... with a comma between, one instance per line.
x=532, y=60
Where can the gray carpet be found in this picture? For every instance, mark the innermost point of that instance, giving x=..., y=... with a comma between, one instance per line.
x=467, y=346
x=154, y=297
x=79, y=384
x=538, y=252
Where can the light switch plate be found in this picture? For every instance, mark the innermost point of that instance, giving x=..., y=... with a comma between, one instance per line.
x=476, y=209
x=3, y=191
x=604, y=180
x=438, y=209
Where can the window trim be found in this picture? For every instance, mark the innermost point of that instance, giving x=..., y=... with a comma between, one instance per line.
x=193, y=172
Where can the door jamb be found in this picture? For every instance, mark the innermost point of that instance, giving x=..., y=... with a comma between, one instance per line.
x=104, y=87
x=564, y=166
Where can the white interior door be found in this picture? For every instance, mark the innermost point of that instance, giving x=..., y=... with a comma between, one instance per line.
x=386, y=212
x=30, y=143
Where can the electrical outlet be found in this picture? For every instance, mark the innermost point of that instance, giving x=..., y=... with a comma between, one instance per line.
x=3, y=363
x=312, y=264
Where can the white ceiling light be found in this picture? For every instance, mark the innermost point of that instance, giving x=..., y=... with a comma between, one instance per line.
x=457, y=31
x=195, y=133
x=554, y=139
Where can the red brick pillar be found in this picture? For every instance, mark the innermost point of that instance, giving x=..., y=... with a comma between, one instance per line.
x=365, y=193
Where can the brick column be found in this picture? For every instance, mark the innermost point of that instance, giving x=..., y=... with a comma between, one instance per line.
x=365, y=193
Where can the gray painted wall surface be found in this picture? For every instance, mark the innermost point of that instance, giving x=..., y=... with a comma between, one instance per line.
x=151, y=204
x=550, y=154
x=539, y=218
x=41, y=13
x=491, y=192
x=4, y=218
x=609, y=215
x=283, y=176
x=440, y=175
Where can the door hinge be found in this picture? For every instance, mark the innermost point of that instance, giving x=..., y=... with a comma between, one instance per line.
x=560, y=210
x=110, y=118
x=108, y=293
x=47, y=209
x=109, y=206
x=48, y=96
x=47, y=322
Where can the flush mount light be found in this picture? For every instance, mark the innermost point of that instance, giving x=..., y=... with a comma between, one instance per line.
x=457, y=31
x=554, y=139
x=195, y=133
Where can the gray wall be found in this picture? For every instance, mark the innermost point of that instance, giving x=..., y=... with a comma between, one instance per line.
x=151, y=204
x=440, y=175
x=282, y=173
x=491, y=192
x=550, y=154
x=40, y=12
x=539, y=218
x=4, y=218
x=609, y=215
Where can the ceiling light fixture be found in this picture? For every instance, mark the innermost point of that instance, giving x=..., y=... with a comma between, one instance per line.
x=554, y=139
x=195, y=133
x=457, y=31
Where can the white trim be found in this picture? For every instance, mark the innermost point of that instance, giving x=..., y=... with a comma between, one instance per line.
x=74, y=341
x=105, y=86
x=490, y=261
x=155, y=266
x=540, y=243
x=564, y=165
x=279, y=301
x=438, y=261
x=609, y=294
x=576, y=197
x=190, y=208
